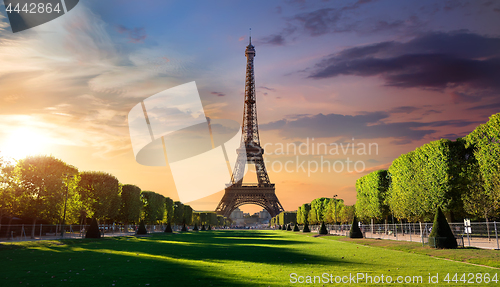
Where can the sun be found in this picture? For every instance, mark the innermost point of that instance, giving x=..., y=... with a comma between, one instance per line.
x=23, y=142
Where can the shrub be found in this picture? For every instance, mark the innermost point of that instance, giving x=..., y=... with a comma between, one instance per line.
x=195, y=228
x=355, y=232
x=288, y=227
x=323, y=229
x=209, y=227
x=93, y=231
x=142, y=228
x=168, y=229
x=184, y=228
x=441, y=235
x=203, y=228
x=296, y=228
x=306, y=228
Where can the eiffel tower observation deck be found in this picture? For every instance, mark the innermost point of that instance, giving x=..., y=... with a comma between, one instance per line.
x=250, y=151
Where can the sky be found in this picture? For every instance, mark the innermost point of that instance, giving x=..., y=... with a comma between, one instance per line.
x=343, y=87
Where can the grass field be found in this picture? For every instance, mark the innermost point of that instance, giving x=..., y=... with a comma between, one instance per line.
x=216, y=258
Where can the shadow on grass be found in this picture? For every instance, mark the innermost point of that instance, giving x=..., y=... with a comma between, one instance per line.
x=186, y=259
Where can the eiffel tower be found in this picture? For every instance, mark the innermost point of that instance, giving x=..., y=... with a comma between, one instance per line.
x=250, y=151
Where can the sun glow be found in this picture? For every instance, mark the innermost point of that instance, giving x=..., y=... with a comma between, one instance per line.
x=22, y=142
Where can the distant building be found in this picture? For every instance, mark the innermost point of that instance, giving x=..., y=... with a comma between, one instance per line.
x=264, y=215
x=236, y=214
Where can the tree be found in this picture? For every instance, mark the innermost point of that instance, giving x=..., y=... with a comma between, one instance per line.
x=306, y=228
x=347, y=213
x=355, y=231
x=318, y=210
x=322, y=229
x=441, y=235
x=93, y=231
x=142, y=228
x=426, y=178
x=477, y=201
x=333, y=207
x=485, y=142
x=286, y=217
x=188, y=214
x=153, y=206
x=178, y=213
x=41, y=180
x=9, y=193
x=131, y=204
x=169, y=210
x=100, y=192
x=303, y=213
x=168, y=229
x=296, y=227
x=371, y=197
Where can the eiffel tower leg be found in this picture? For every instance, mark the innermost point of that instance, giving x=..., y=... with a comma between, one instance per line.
x=260, y=169
x=239, y=169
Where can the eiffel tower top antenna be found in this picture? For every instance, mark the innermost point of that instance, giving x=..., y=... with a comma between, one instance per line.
x=250, y=36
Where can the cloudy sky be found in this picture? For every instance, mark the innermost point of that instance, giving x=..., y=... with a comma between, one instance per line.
x=330, y=75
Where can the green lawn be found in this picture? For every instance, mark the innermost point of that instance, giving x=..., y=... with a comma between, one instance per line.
x=213, y=258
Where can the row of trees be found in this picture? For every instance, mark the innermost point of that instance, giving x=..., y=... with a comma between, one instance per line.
x=461, y=177
x=46, y=189
x=209, y=218
x=327, y=210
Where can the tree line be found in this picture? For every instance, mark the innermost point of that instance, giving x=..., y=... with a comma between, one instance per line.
x=44, y=189
x=462, y=177
x=327, y=210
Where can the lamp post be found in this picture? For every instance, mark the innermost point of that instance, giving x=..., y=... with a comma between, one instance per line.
x=65, y=203
x=335, y=204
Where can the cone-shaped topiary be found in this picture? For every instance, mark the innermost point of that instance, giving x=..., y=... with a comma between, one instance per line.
x=184, y=228
x=93, y=231
x=289, y=227
x=142, y=228
x=203, y=228
x=355, y=232
x=209, y=227
x=322, y=229
x=195, y=228
x=168, y=229
x=279, y=227
x=441, y=235
x=306, y=228
x=296, y=228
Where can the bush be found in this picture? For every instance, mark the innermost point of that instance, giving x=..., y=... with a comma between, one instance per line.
x=184, y=228
x=195, y=228
x=168, y=229
x=355, y=232
x=296, y=227
x=142, y=228
x=93, y=231
x=441, y=235
x=288, y=227
x=306, y=228
x=203, y=228
x=209, y=227
x=323, y=229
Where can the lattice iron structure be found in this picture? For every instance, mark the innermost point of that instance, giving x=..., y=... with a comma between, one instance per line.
x=250, y=151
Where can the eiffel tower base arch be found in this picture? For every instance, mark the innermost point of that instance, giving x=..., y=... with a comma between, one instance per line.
x=236, y=196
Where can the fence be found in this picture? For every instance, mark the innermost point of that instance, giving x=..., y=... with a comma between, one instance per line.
x=18, y=232
x=481, y=235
